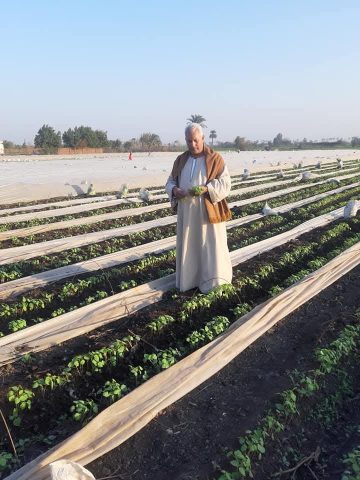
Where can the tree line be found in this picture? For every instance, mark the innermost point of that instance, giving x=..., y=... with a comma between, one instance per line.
x=281, y=143
x=49, y=140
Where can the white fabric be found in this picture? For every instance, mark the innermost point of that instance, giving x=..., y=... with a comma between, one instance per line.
x=16, y=254
x=202, y=254
x=131, y=413
x=267, y=210
x=85, y=319
x=68, y=470
x=16, y=287
x=351, y=208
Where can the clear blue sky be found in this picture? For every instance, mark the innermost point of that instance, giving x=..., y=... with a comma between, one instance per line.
x=251, y=68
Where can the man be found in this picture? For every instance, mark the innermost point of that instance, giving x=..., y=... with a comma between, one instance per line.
x=197, y=186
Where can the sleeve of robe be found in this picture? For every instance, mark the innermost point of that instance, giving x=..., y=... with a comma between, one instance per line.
x=219, y=188
x=170, y=184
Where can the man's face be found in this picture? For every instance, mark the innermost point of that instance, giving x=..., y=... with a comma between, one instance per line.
x=195, y=142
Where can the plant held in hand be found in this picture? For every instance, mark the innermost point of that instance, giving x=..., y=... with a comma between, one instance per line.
x=198, y=190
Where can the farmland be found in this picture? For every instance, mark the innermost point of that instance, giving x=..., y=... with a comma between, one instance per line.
x=89, y=317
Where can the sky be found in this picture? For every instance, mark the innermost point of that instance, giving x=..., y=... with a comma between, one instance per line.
x=251, y=68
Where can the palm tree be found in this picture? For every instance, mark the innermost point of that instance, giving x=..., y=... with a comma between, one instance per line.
x=212, y=136
x=197, y=119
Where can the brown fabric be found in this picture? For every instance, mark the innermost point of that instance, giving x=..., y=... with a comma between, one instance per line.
x=217, y=212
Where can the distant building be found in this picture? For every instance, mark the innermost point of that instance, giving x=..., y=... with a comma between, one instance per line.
x=2, y=151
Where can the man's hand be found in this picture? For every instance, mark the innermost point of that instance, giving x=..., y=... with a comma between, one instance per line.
x=178, y=193
x=198, y=190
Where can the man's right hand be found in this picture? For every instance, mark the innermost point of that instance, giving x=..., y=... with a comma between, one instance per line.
x=178, y=193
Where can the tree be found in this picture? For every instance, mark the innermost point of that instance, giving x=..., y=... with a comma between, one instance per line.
x=8, y=144
x=197, y=119
x=115, y=144
x=85, y=137
x=240, y=143
x=149, y=141
x=278, y=140
x=48, y=139
x=355, y=141
x=212, y=136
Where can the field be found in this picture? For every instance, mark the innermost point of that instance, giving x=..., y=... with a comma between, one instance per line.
x=257, y=379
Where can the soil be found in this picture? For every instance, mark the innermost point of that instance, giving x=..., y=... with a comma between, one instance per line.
x=189, y=439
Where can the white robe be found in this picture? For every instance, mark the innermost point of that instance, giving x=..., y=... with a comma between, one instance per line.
x=202, y=254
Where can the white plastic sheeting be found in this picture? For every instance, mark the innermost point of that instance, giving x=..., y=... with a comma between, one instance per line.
x=48, y=227
x=22, y=285
x=15, y=254
x=278, y=193
x=16, y=287
x=58, y=212
x=130, y=414
x=35, y=230
x=351, y=208
x=84, y=319
x=68, y=470
x=18, y=254
x=61, y=203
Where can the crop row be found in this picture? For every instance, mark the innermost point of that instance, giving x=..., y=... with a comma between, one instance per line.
x=84, y=214
x=96, y=287
x=39, y=221
x=333, y=364
x=11, y=272
x=135, y=190
x=149, y=354
x=104, y=224
x=94, y=227
x=15, y=271
x=74, y=255
x=347, y=164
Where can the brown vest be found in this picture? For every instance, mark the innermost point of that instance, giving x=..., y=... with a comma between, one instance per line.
x=219, y=211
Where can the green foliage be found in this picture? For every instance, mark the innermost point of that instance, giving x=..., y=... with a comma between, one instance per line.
x=275, y=290
x=113, y=390
x=149, y=141
x=252, y=445
x=85, y=137
x=83, y=410
x=7, y=461
x=201, y=301
x=352, y=463
x=96, y=360
x=48, y=139
x=58, y=312
x=342, y=346
x=196, y=118
x=160, y=322
x=22, y=398
x=162, y=359
x=241, y=309
x=212, y=329
x=50, y=381
x=139, y=372
x=16, y=325
x=212, y=136
x=197, y=190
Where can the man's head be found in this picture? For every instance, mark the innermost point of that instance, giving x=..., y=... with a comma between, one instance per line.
x=194, y=137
